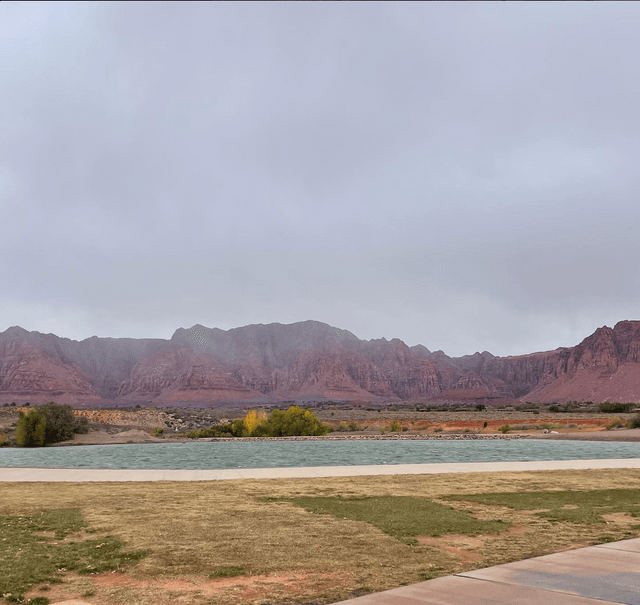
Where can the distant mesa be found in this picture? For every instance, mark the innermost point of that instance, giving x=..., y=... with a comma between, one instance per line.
x=302, y=361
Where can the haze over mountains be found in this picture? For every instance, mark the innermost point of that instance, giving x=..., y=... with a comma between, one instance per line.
x=305, y=360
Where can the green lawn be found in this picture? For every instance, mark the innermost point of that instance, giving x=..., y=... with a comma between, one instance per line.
x=402, y=517
x=42, y=547
x=572, y=506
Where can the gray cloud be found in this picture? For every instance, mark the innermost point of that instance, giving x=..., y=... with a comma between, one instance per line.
x=459, y=175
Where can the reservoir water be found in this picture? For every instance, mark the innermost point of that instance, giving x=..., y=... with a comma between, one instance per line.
x=277, y=454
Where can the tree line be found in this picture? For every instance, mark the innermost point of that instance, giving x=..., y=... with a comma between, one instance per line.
x=294, y=422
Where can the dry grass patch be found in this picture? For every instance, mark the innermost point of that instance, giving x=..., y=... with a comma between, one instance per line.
x=290, y=555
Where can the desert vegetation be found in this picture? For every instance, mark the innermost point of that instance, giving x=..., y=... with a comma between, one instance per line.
x=48, y=423
x=294, y=422
x=616, y=408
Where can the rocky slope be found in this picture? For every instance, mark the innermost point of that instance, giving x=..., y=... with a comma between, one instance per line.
x=305, y=360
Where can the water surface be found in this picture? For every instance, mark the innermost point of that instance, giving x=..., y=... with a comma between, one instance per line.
x=275, y=454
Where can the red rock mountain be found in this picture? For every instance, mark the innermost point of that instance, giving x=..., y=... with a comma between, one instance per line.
x=305, y=360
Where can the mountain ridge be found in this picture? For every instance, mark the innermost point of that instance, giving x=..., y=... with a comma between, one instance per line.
x=305, y=360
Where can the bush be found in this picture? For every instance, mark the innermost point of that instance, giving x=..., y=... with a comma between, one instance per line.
x=49, y=423
x=634, y=423
x=157, y=431
x=505, y=428
x=612, y=407
x=3, y=440
x=395, y=427
x=214, y=431
x=480, y=407
x=81, y=425
x=614, y=423
x=61, y=422
x=294, y=422
x=547, y=425
x=30, y=429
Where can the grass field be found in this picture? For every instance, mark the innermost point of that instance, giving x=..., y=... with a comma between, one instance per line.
x=284, y=541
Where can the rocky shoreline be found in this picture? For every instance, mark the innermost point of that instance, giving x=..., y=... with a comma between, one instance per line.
x=436, y=437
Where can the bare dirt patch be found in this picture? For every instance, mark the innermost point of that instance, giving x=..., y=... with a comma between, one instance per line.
x=468, y=548
x=620, y=519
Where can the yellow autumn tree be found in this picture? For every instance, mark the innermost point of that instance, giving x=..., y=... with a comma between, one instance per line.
x=252, y=419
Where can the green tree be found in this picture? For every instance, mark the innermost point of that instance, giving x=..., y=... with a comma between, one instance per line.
x=61, y=422
x=30, y=429
x=239, y=429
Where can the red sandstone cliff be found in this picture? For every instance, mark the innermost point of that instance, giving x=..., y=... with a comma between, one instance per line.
x=305, y=360
x=28, y=372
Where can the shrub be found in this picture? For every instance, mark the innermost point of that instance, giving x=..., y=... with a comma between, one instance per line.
x=214, y=431
x=239, y=429
x=395, y=427
x=81, y=425
x=157, y=431
x=485, y=424
x=353, y=426
x=614, y=423
x=480, y=407
x=438, y=429
x=505, y=428
x=294, y=422
x=612, y=407
x=634, y=423
x=547, y=425
x=61, y=422
x=3, y=440
x=30, y=429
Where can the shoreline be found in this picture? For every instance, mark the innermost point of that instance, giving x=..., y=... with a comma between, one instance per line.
x=623, y=435
x=122, y=439
x=139, y=437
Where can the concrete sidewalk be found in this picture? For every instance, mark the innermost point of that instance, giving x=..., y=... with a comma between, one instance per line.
x=106, y=475
x=596, y=575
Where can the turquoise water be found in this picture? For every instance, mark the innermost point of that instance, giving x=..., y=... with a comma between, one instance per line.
x=274, y=454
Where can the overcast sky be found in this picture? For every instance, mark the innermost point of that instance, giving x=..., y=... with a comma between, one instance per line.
x=460, y=175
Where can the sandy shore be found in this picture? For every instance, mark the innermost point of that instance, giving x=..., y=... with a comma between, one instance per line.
x=104, y=438
x=613, y=435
